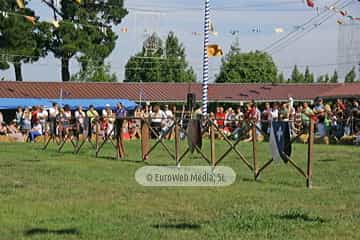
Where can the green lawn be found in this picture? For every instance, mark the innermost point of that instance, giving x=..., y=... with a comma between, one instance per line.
x=51, y=195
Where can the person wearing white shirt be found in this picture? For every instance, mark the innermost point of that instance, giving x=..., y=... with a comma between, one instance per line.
x=80, y=119
x=53, y=113
x=274, y=116
x=43, y=117
x=157, y=119
x=108, y=115
x=35, y=131
x=168, y=121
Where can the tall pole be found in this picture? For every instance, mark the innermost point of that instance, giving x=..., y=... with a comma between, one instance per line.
x=205, y=82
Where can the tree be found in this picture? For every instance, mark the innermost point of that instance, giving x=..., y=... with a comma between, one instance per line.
x=281, y=78
x=158, y=62
x=249, y=67
x=308, y=76
x=19, y=38
x=297, y=76
x=335, y=77
x=94, y=73
x=327, y=78
x=321, y=79
x=84, y=31
x=351, y=76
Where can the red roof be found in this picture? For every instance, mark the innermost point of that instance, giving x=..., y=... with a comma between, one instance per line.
x=173, y=92
x=344, y=90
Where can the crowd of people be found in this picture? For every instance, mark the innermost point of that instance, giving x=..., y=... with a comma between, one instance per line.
x=333, y=120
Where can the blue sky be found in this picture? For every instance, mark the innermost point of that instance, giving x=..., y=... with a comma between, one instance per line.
x=184, y=17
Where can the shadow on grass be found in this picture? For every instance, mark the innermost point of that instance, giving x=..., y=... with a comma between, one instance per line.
x=245, y=179
x=149, y=163
x=30, y=160
x=327, y=160
x=120, y=160
x=298, y=215
x=38, y=231
x=181, y=226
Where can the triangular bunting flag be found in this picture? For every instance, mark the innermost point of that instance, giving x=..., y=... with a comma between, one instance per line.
x=56, y=24
x=310, y=3
x=214, y=50
x=212, y=29
x=31, y=19
x=20, y=4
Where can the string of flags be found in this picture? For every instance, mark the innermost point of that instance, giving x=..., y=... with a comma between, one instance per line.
x=256, y=30
x=341, y=12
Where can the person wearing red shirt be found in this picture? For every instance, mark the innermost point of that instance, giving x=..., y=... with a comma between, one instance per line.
x=220, y=117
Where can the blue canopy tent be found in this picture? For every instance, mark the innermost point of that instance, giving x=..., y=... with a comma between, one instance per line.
x=13, y=103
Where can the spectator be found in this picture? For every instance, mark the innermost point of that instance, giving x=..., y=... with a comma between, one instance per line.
x=120, y=113
x=135, y=131
x=229, y=118
x=19, y=115
x=80, y=116
x=284, y=112
x=65, y=120
x=220, y=117
x=43, y=118
x=307, y=113
x=108, y=116
x=35, y=131
x=34, y=115
x=3, y=129
x=53, y=114
x=275, y=112
x=26, y=120
x=1, y=117
x=355, y=113
x=266, y=118
x=334, y=127
x=14, y=132
x=297, y=119
x=239, y=117
x=158, y=117
x=104, y=126
x=91, y=115
x=168, y=122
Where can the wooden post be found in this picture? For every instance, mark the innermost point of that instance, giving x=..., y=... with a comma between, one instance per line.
x=177, y=143
x=144, y=140
x=97, y=132
x=310, y=154
x=254, y=138
x=120, y=140
x=212, y=144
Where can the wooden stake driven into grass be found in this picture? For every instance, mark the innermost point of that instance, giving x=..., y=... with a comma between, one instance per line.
x=306, y=174
x=54, y=138
x=119, y=136
x=86, y=138
x=232, y=147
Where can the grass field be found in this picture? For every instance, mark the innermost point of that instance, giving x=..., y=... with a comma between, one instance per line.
x=51, y=195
